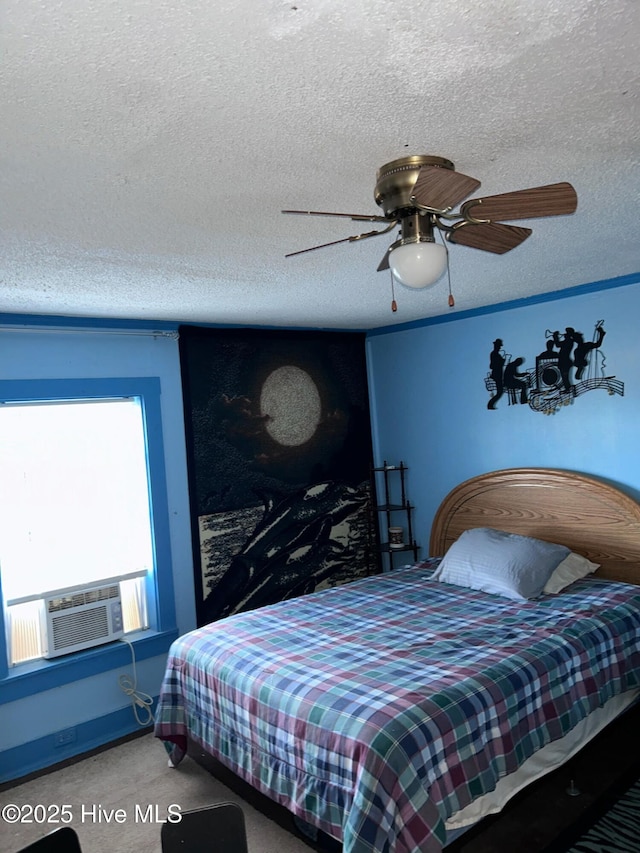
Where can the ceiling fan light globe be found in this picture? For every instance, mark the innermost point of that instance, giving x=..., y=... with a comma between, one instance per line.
x=418, y=264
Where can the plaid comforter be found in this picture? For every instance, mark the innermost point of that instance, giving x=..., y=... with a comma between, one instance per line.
x=377, y=709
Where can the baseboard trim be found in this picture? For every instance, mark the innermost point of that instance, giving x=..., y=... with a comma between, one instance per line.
x=44, y=754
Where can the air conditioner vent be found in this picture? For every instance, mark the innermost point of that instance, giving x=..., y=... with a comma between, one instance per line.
x=89, y=596
x=79, y=627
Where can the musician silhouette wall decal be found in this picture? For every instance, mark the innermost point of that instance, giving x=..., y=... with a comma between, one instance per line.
x=567, y=367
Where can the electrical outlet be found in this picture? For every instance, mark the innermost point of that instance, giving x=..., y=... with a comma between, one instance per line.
x=65, y=737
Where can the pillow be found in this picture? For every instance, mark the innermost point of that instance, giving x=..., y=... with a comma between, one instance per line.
x=571, y=569
x=501, y=563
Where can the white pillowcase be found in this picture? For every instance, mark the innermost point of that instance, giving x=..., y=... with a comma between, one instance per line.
x=571, y=569
x=501, y=563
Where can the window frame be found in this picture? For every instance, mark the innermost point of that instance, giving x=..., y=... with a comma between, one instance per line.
x=32, y=677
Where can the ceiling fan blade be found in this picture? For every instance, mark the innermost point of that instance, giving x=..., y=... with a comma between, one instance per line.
x=489, y=236
x=321, y=246
x=357, y=217
x=351, y=239
x=550, y=200
x=441, y=189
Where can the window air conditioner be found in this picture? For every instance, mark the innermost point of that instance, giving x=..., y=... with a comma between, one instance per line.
x=81, y=617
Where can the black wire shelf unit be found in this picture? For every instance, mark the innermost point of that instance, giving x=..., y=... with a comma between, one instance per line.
x=395, y=510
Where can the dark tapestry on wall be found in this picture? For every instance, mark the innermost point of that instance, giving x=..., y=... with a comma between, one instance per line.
x=279, y=444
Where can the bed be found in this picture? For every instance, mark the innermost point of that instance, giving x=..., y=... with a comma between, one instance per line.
x=395, y=710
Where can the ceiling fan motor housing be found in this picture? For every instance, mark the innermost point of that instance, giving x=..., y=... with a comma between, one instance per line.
x=395, y=182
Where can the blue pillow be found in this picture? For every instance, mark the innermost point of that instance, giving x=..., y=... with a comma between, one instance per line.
x=501, y=563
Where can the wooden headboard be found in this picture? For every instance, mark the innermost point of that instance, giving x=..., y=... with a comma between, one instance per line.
x=587, y=515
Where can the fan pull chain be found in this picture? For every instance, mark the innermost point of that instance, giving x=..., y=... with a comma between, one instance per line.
x=452, y=301
x=394, y=304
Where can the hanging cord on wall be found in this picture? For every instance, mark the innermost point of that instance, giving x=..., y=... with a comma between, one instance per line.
x=140, y=702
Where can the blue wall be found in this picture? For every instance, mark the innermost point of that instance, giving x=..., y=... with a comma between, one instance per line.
x=429, y=401
x=95, y=705
x=429, y=408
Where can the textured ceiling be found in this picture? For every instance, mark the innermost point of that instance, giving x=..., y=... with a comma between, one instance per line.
x=148, y=147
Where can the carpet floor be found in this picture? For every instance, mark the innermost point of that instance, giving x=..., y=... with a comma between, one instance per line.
x=132, y=777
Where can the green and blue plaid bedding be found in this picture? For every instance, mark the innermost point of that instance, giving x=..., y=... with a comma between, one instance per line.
x=377, y=709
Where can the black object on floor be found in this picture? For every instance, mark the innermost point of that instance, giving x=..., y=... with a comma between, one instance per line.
x=63, y=840
x=218, y=827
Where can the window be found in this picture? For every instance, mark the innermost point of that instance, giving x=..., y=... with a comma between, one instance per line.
x=83, y=506
x=74, y=511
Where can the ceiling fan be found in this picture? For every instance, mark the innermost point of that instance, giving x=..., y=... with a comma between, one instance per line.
x=418, y=193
